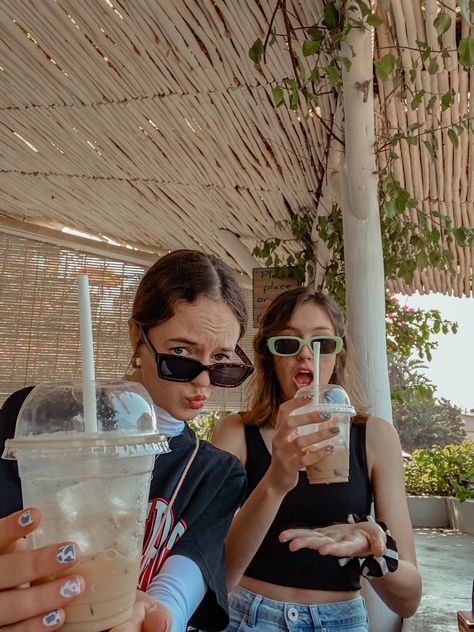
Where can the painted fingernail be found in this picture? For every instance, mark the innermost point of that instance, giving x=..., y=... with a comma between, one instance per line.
x=329, y=449
x=71, y=587
x=325, y=415
x=66, y=554
x=334, y=430
x=25, y=519
x=52, y=618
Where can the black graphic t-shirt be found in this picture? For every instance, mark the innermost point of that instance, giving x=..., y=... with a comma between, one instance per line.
x=195, y=527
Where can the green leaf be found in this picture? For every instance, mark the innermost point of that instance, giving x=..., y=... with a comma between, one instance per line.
x=442, y=22
x=431, y=104
x=421, y=260
x=447, y=99
x=278, y=97
x=315, y=34
x=385, y=66
x=294, y=99
x=417, y=99
x=256, y=52
x=453, y=137
x=315, y=76
x=374, y=20
x=334, y=75
x=459, y=236
x=310, y=47
x=433, y=67
x=364, y=8
x=466, y=52
x=435, y=258
x=331, y=15
x=464, y=8
x=347, y=63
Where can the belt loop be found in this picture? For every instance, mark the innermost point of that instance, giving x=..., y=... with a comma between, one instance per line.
x=252, y=619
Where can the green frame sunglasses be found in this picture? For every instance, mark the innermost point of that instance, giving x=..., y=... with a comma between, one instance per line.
x=291, y=345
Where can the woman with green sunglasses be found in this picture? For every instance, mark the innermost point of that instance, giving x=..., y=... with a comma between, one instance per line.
x=293, y=559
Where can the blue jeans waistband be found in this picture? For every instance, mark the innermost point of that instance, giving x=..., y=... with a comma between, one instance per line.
x=257, y=609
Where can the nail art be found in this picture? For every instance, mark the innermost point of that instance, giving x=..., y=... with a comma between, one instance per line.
x=324, y=416
x=52, y=618
x=334, y=430
x=71, y=587
x=329, y=449
x=25, y=519
x=66, y=554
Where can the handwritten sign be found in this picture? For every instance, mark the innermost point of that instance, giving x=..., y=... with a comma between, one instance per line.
x=266, y=286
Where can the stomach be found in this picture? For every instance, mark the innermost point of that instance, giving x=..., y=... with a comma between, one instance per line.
x=306, y=596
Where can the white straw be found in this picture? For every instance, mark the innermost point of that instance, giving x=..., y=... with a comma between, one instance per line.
x=316, y=346
x=87, y=355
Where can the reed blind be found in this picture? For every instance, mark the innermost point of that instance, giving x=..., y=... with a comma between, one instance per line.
x=39, y=321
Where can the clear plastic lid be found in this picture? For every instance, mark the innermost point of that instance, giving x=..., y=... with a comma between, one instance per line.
x=331, y=397
x=51, y=419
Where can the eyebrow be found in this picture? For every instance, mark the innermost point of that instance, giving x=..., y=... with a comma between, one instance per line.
x=316, y=329
x=193, y=343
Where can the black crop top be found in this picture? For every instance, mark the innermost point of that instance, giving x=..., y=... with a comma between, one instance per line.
x=309, y=506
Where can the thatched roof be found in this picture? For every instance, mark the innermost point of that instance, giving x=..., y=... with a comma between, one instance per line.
x=146, y=122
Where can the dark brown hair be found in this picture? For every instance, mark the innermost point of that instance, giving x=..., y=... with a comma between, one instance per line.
x=265, y=391
x=185, y=275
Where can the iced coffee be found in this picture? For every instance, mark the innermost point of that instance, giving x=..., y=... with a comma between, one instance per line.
x=335, y=410
x=90, y=488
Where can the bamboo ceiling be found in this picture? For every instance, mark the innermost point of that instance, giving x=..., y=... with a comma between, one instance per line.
x=144, y=121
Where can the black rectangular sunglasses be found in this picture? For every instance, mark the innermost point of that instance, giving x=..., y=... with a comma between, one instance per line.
x=182, y=369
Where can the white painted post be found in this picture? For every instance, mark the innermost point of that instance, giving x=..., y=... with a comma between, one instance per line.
x=365, y=282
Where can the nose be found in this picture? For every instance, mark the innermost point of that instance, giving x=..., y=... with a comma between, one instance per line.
x=202, y=379
x=305, y=351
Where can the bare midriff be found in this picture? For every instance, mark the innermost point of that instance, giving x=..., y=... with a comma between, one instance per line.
x=296, y=595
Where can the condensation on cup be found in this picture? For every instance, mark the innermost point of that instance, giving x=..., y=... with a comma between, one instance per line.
x=91, y=488
x=331, y=401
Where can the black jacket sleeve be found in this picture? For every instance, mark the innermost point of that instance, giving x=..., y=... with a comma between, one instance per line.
x=10, y=487
x=204, y=544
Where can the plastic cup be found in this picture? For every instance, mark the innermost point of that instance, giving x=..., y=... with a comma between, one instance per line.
x=91, y=488
x=333, y=402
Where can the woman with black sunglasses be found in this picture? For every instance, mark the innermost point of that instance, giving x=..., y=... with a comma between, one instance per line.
x=187, y=318
x=294, y=558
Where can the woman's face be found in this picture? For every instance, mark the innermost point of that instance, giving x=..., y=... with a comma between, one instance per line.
x=294, y=372
x=206, y=330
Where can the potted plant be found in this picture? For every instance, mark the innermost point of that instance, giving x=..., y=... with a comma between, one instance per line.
x=440, y=486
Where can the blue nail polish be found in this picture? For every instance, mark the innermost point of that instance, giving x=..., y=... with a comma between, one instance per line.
x=329, y=449
x=52, y=618
x=324, y=416
x=71, y=587
x=66, y=554
x=25, y=519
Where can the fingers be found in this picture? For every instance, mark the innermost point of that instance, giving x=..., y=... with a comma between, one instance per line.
x=50, y=621
x=377, y=541
x=21, y=567
x=304, y=539
x=16, y=526
x=42, y=603
x=148, y=616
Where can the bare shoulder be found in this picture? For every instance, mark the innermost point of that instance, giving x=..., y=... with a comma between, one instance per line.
x=229, y=434
x=381, y=429
x=382, y=442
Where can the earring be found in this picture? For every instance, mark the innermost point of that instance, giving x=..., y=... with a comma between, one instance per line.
x=136, y=362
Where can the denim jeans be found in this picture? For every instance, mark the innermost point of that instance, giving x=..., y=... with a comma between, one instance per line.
x=253, y=613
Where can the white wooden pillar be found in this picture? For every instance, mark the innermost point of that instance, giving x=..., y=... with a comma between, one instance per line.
x=365, y=282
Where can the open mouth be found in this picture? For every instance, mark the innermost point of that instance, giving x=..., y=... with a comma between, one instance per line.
x=303, y=378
